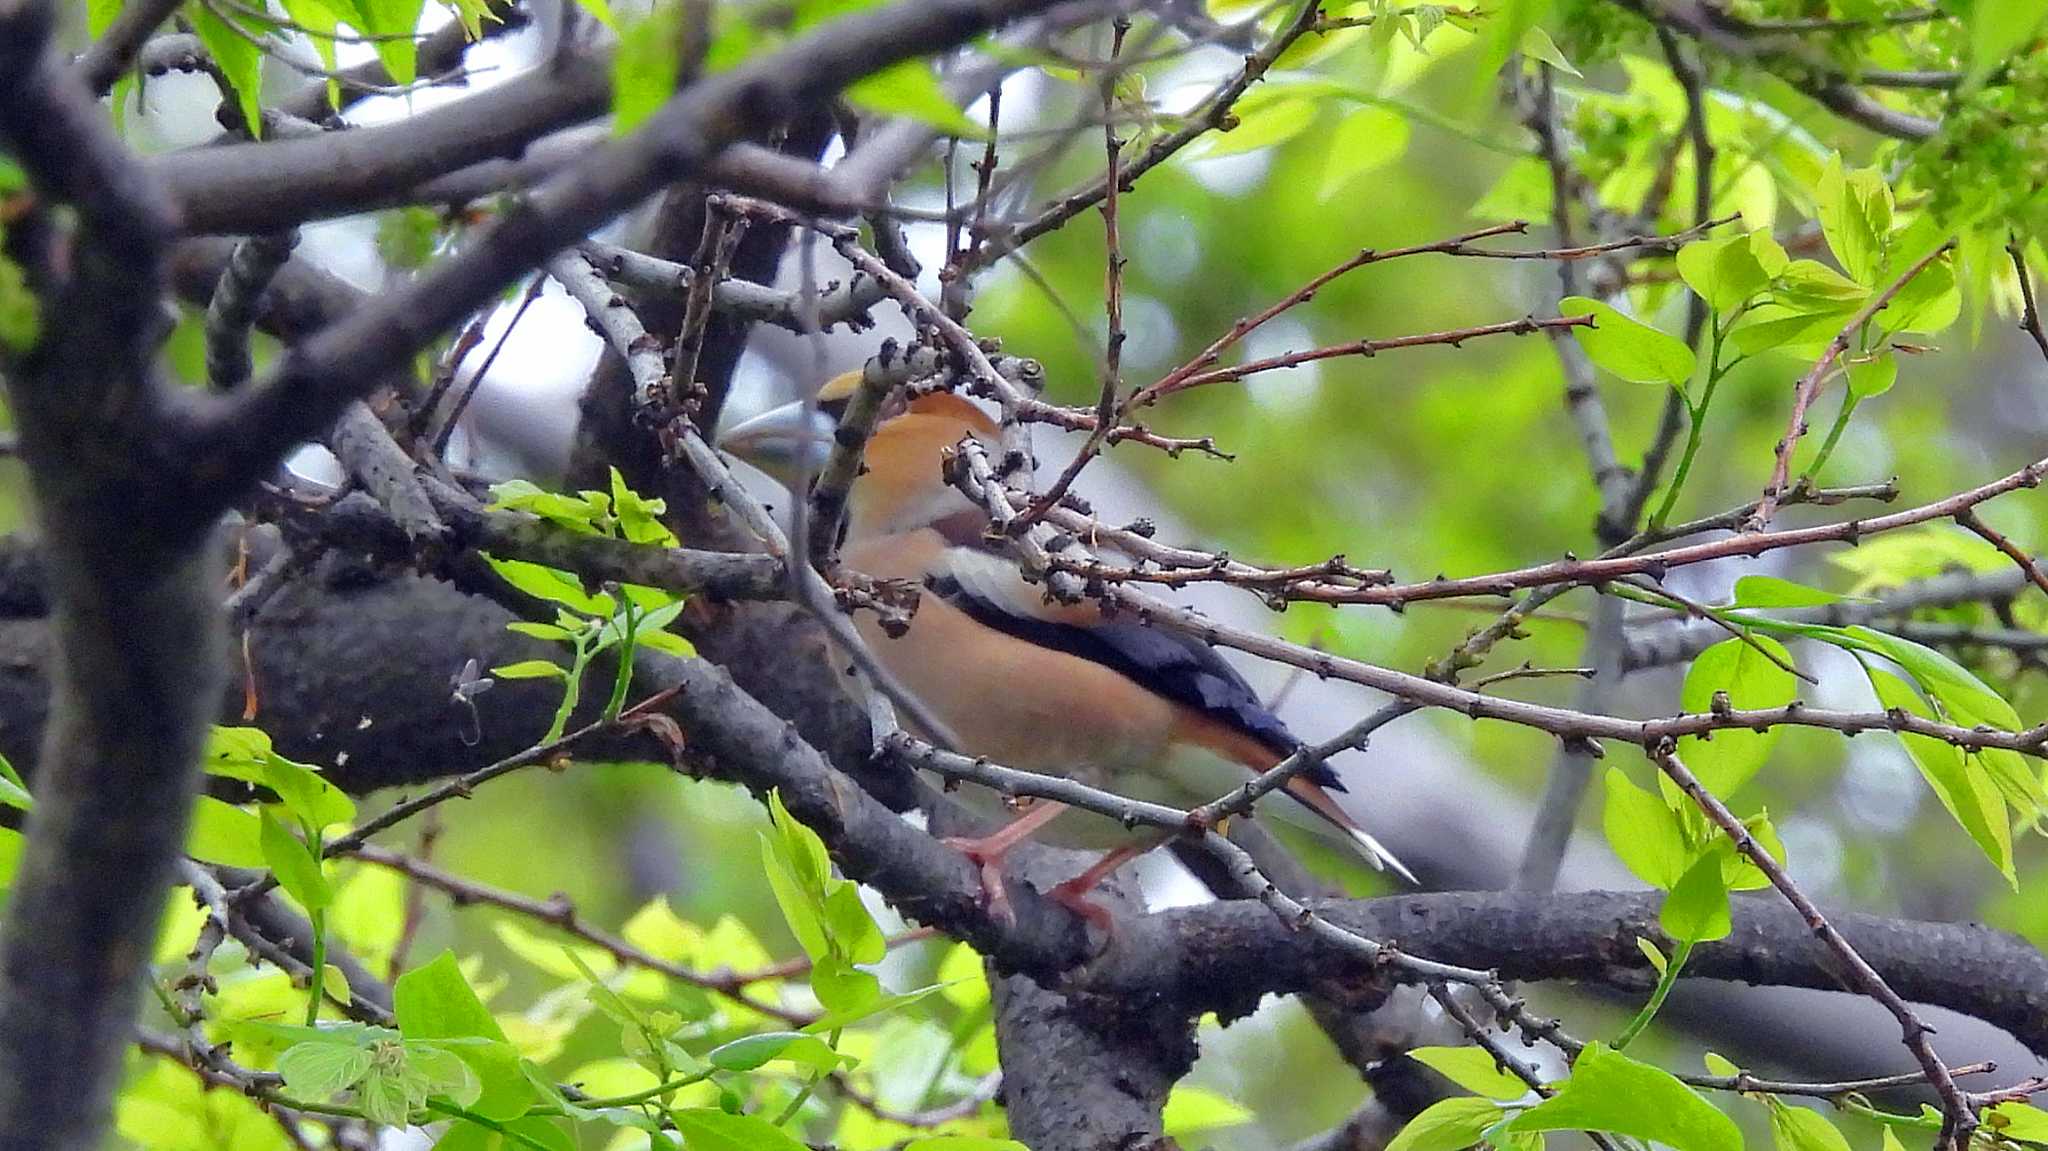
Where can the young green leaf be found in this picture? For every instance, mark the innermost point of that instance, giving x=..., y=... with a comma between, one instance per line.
x=1959, y=781
x=2018, y=1121
x=1696, y=910
x=1629, y=348
x=530, y=669
x=1644, y=832
x=1609, y=1091
x=1657, y=958
x=1447, y=1125
x=320, y=1068
x=1537, y=45
x=1762, y=591
x=1191, y=1111
x=1803, y=1129
x=1928, y=302
x=644, y=68
x=752, y=1051
x=1265, y=124
x=1367, y=138
x=1473, y=1069
x=1724, y=272
x=1752, y=679
x=434, y=1001
x=1873, y=377
x=234, y=50
x=908, y=89
x=294, y=863
x=1997, y=29
x=709, y=1129
x=224, y=834
x=1855, y=216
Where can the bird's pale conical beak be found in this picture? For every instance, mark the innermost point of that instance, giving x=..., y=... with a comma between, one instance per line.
x=788, y=442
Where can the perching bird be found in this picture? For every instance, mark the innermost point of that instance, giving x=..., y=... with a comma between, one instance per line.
x=1054, y=688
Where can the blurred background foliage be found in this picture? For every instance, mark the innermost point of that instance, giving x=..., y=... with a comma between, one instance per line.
x=1435, y=460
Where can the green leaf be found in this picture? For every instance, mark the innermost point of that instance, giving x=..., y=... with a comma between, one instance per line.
x=838, y=1020
x=1778, y=326
x=1608, y=1091
x=1812, y=287
x=752, y=1051
x=1724, y=272
x=1657, y=958
x=668, y=643
x=224, y=834
x=842, y=987
x=551, y=585
x=21, y=312
x=1762, y=591
x=708, y=1129
x=1855, y=211
x=240, y=60
x=13, y=794
x=644, y=68
x=1644, y=832
x=1874, y=377
x=1997, y=28
x=1968, y=700
x=851, y=926
x=1958, y=780
x=1537, y=44
x=802, y=911
x=393, y=18
x=1263, y=125
x=1928, y=302
x=316, y=802
x=909, y=89
x=639, y=517
x=1802, y=1129
x=1473, y=1069
x=1728, y=760
x=442, y=1071
x=99, y=14
x=1720, y=1065
x=319, y=1068
x=434, y=1001
x=1192, y=1111
x=296, y=866
x=531, y=669
x=1629, y=348
x=2018, y=1121
x=1447, y=1125
x=1367, y=138
x=1697, y=908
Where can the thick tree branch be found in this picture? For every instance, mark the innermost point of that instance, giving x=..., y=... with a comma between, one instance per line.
x=135, y=607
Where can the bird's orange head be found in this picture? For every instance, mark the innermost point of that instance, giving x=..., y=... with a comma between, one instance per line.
x=901, y=486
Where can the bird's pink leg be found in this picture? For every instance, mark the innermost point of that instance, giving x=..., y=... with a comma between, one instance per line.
x=987, y=852
x=1073, y=894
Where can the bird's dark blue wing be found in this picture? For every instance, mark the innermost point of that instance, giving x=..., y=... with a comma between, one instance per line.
x=1176, y=666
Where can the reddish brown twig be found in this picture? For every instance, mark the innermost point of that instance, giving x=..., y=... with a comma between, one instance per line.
x=1809, y=387
x=1856, y=974
x=1971, y=520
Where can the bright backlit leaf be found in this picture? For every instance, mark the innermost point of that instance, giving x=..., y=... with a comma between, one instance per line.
x=1608, y=1091
x=1447, y=1125
x=1628, y=347
x=1752, y=679
x=1473, y=1069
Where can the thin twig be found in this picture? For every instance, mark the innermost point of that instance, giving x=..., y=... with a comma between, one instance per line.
x=1958, y=1119
x=1809, y=387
